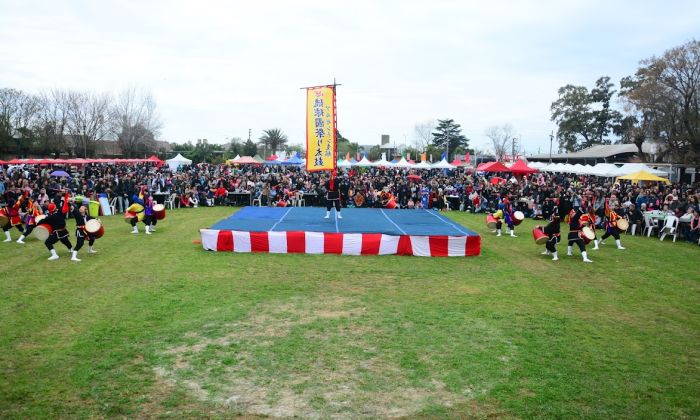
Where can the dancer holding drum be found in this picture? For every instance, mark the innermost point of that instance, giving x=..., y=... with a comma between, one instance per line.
x=81, y=218
x=53, y=229
x=12, y=213
x=575, y=232
x=612, y=226
x=30, y=219
x=553, y=232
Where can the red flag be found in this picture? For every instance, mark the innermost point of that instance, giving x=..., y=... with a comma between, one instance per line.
x=467, y=158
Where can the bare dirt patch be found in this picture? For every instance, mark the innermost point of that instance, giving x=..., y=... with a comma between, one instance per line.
x=307, y=359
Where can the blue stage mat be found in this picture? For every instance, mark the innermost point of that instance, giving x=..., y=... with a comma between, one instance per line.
x=389, y=222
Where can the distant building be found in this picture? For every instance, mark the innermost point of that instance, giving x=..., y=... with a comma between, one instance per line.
x=604, y=153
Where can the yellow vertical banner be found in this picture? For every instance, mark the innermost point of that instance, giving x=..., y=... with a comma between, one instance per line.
x=320, y=129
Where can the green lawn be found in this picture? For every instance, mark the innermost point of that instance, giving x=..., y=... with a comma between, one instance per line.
x=153, y=326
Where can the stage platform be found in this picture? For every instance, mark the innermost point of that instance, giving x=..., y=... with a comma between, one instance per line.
x=284, y=230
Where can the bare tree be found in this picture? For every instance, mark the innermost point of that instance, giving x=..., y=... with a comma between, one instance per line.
x=135, y=122
x=501, y=137
x=423, y=134
x=52, y=121
x=88, y=120
x=18, y=112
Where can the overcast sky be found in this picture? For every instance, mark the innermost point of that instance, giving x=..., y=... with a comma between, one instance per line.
x=217, y=69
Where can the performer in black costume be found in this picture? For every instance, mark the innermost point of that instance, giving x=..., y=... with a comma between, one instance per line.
x=57, y=220
x=332, y=197
x=575, y=234
x=553, y=231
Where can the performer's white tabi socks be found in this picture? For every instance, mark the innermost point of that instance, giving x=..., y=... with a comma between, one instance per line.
x=148, y=232
x=585, y=257
x=512, y=234
x=619, y=244
x=554, y=256
x=328, y=214
x=570, y=251
x=91, y=250
x=545, y=252
x=595, y=244
x=54, y=255
x=135, y=229
x=20, y=240
x=339, y=216
x=74, y=256
x=499, y=232
x=7, y=236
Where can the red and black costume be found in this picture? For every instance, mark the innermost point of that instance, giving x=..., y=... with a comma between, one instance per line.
x=80, y=232
x=57, y=220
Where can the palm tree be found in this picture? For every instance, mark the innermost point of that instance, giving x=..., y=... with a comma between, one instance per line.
x=273, y=139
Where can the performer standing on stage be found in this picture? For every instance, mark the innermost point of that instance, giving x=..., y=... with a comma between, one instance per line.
x=575, y=234
x=57, y=220
x=611, y=229
x=12, y=211
x=81, y=217
x=332, y=197
x=553, y=231
x=33, y=210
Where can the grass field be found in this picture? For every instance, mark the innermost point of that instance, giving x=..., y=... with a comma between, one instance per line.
x=153, y=326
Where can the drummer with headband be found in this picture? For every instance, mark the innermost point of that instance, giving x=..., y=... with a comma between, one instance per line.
x=33, y=211
x=137, y=209
x=505, y=213
x=611, y=228
x=57, y=220
x=12, y=212
x=553, y=231
x=81, y=217
x=575, y=234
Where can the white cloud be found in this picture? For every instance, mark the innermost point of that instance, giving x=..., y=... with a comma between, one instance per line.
x=219, y=68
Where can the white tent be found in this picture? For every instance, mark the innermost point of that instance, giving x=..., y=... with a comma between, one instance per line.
x=364, y=162
x=422, y=165
x=536, y=165
x=178, y=161
x=403, y=163
x=607, y=170
x=383, y=162
x=443, y=164
x=342, y=163
x=630, y=168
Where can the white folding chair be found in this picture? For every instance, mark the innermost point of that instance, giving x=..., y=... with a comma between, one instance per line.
x=170, y=202
x=650, y=224
x=300, y=200
x=113, y=205
x=670, y=228
x=258, y=200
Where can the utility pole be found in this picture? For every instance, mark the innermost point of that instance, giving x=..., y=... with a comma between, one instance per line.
x=551, y=139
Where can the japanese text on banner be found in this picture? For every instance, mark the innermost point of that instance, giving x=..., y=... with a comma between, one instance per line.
x=320, y=129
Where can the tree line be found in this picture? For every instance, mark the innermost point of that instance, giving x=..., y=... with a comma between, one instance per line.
x=660, y=102
x=64, y=121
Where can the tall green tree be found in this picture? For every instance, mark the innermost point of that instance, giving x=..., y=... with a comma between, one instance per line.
x=249, y=148
x=449, y=134
x=664, y=96
x=273, y=140
x=585, y=118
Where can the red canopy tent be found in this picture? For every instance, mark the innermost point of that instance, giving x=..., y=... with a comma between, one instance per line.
x=269, y=158
x=456, y=162
x=492, y=167
x=155, y=159
x=521, y=168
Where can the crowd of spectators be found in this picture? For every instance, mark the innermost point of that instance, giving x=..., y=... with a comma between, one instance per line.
x=537, y=195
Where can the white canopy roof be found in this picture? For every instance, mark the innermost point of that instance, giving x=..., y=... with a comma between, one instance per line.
x=364, y=162
x=422, y=165
x=630, y=168
x=178, y=161
x=342, y=163
x=443, y=164
x=403, y=163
